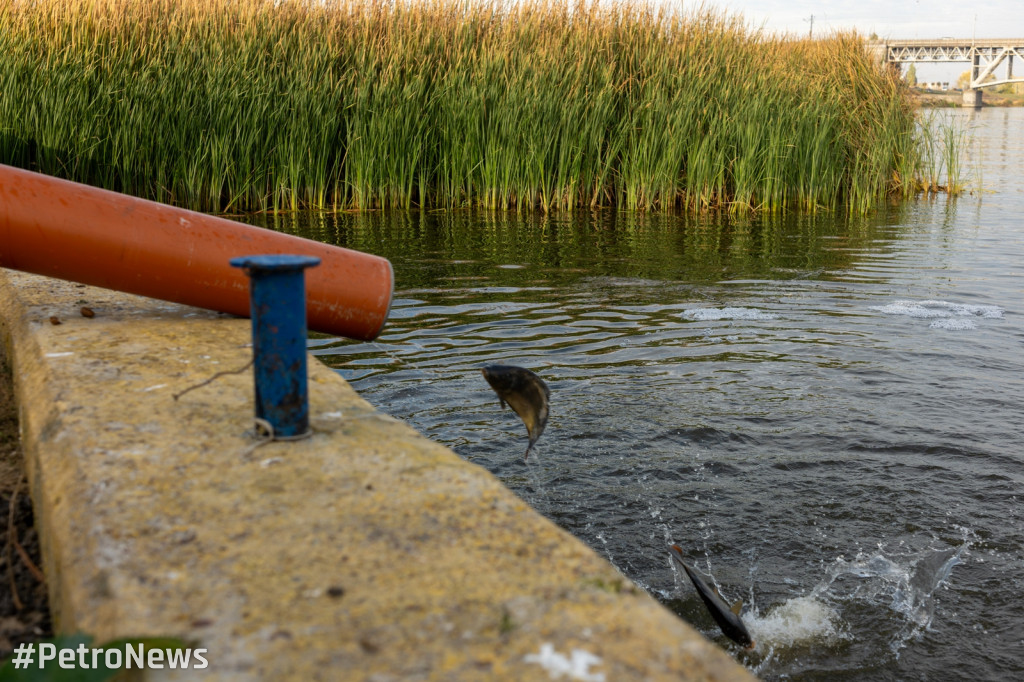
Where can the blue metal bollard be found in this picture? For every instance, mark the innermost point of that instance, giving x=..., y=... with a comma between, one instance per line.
x=277, y=294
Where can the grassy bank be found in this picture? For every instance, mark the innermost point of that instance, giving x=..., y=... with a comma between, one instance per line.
x=229, y=105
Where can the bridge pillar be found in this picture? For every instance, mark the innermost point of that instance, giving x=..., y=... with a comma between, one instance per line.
x=972, y=97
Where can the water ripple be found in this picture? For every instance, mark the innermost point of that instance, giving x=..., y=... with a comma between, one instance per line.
x=829, y=426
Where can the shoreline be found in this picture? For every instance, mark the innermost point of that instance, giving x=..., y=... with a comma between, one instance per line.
x=954, y=99
x=365, y=551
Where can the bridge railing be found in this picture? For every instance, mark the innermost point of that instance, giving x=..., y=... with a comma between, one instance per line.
x=985, y=56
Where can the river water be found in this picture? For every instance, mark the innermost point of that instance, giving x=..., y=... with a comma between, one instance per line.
x=825, y=413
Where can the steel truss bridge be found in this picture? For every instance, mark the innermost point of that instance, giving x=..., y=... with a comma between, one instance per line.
x=983, y=55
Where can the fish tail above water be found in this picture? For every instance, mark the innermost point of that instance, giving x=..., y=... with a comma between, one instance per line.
x=728, y=619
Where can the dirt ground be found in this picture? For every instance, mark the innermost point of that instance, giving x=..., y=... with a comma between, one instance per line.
x=24, y=610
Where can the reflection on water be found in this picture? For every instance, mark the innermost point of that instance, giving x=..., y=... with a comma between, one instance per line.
x=824, y=412
x=440, y=248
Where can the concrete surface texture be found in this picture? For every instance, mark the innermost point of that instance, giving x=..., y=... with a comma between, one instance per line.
x=365, y=552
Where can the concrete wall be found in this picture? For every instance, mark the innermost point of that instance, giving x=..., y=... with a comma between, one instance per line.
x=972, y=98
x=366, y=552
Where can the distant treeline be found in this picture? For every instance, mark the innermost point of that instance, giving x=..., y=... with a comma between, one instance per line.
x=240, y=105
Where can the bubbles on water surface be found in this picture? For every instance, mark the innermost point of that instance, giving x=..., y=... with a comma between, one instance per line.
x=945, y=315
x=708, y=314
x=954, y=324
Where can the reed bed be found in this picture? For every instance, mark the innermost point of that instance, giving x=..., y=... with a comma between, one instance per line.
x=941, y=141
x=253, y=105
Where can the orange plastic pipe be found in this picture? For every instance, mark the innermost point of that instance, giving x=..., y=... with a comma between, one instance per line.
x=70, y=231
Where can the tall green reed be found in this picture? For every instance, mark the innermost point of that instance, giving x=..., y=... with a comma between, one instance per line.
x=240, y=105
x=955, y=137
x=942, y=141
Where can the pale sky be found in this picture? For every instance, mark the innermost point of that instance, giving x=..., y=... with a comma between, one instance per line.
x=889, y=19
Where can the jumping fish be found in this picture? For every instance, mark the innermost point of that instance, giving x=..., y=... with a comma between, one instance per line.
x=728, y=619
x=525, y=392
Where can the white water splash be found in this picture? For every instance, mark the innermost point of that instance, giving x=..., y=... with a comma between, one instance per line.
x=905, y=584
x=942, y=310
x=794, y=622
x=953, y=324
x=705, y=314
x=897, y=585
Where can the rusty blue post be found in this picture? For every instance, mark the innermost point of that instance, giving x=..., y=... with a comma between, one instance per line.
x=277, y=296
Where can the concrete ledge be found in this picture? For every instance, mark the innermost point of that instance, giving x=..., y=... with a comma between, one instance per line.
x=366, y=552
